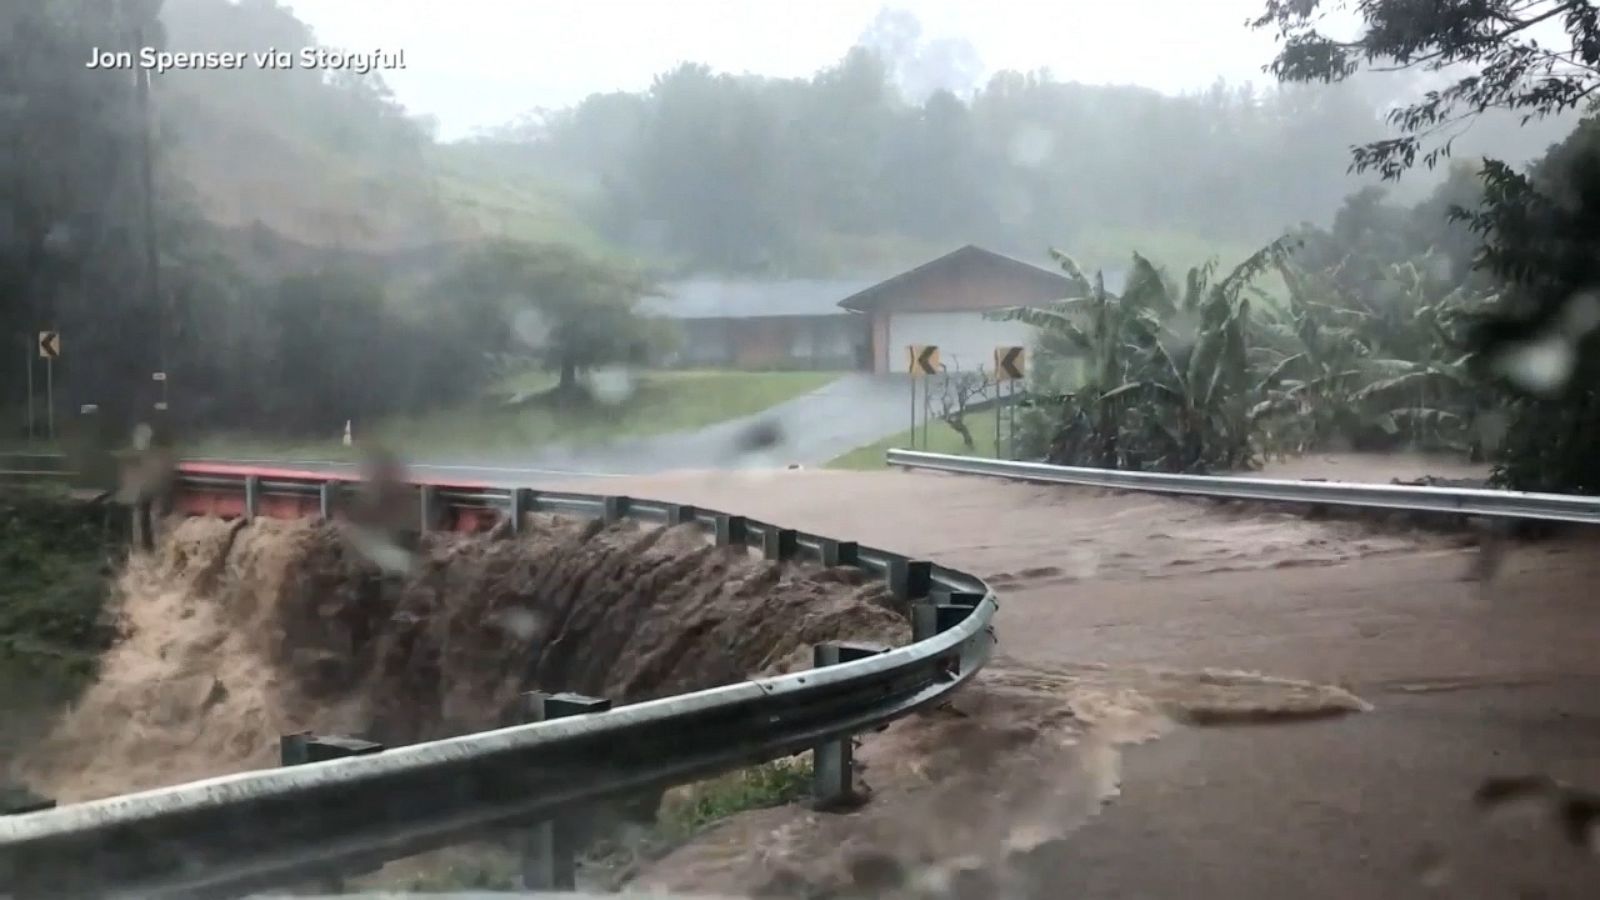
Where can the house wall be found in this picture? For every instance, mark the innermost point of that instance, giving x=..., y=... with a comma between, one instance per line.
x=776, y=342
x=972, y=289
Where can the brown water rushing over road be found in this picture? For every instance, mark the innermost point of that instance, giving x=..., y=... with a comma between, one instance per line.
x=235, y=634
x=1466, y=680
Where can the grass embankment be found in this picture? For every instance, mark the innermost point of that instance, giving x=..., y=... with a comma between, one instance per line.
x=56, y=560
x=941, y=439
x=684, y=813
x=655, y=403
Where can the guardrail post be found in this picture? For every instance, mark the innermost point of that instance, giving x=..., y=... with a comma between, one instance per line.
x=840, y=553
x=680, y=514
x=948, y=615
x=924, y=620
x=548, y=854
x=16, y=800
x=523, y=501
x=910, y=579
x=428, y=503
x=252, y=497
x=144, y=531
x=305, y=747
x=732, y=531
x=615, y=509
x=779, y=543
x=969, y=599
x=326, y=493
x=833, y=785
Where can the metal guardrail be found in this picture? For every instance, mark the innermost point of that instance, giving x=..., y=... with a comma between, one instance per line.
x=29, y=465
x=1462, y=501
x=225, y=836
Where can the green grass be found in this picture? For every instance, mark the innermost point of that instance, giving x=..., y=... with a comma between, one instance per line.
x=658, y=403
x=54, y=585
x=772, y=784
x=941, y=439
x=494, y=865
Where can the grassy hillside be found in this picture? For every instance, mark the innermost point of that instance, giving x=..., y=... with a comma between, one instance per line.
x=328, y=160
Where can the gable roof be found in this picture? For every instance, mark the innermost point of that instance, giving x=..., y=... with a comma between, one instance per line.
x=716, y=298
x=970, y=257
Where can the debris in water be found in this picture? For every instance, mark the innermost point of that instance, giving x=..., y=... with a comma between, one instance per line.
x=763, y=435
x=1576, y=812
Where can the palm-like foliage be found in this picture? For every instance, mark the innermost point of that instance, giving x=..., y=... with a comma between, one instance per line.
x=1191, y=376
x=1166, y=366
x=1370, y=370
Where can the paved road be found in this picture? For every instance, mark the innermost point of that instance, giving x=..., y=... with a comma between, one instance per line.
x=810, y=430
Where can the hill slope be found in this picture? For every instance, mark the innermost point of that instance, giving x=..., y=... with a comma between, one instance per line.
x=327, y=159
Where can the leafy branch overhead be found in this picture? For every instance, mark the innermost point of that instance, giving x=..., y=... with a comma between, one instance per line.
x=1534, y=57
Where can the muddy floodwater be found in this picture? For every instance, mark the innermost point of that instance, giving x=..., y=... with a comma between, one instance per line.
x=1113, y=607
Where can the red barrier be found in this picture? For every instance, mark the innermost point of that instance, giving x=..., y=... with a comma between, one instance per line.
x=234, y=469
x=228, y=501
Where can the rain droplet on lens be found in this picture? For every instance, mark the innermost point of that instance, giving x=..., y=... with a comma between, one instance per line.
x=522, y=623
x=1031, y=146
x=1580, y=315
x=1492, y=427
x=530, y=327
x=612, y=385
x=1541, y=365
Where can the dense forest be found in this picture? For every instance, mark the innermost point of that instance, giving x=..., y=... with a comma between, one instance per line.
x=898, y=152
x=292, y=244
x=300, y=233
x=1466, y=321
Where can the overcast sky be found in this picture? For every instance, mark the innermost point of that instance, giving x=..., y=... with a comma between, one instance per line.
x=479, y=63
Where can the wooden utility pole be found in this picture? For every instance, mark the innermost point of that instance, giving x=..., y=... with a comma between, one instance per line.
x=145, y=16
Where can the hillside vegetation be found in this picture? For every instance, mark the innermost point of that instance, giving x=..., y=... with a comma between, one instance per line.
x=328, y=159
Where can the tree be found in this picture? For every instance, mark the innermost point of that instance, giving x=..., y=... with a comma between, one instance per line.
x=1515, y=62
x=957, y=391
x=568, y=310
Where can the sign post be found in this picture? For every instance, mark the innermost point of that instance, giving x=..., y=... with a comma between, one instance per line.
x=27, y=357
x=921, y=360
x=50, y=349
x=1010, y=365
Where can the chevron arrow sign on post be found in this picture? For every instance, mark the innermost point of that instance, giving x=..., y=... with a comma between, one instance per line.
x=924, y=359
x=1009, y=363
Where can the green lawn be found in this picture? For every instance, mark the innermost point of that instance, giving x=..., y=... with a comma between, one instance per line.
x=941, y=439
x=656, y=403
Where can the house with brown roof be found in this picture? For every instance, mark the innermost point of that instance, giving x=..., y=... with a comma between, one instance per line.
x=802, y=323
x=943, y=303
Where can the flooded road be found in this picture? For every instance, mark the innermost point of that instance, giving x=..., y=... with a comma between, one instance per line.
x=1467, y=680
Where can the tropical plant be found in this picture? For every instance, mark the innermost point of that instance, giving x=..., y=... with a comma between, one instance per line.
x=1370, y=370
x=1168, y=370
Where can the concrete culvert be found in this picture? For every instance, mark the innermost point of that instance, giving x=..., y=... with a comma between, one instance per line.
x=233, y=635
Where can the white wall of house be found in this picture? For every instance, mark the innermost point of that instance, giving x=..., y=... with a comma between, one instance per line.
x=966, y=340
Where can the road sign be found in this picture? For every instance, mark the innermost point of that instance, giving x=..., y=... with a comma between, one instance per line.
x=923, y=359
x=158, y=376
x=49, y=344
x=1009, y=363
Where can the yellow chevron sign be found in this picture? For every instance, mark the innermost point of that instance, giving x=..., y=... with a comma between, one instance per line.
x=922, y=359
x=1009, y=363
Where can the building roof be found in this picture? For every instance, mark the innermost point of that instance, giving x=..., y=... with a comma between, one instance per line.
x=714, y=298
x=970, y=258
